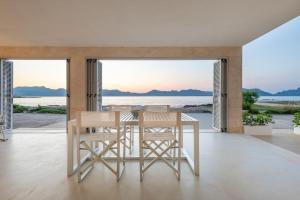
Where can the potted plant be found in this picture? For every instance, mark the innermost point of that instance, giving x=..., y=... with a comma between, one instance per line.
x=259, y=124
x=296, y=122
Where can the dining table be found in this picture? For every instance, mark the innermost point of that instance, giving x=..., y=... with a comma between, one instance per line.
x=129, y=119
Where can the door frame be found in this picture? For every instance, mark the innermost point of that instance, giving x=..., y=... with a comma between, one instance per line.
x=224, y=83
x=67, y=86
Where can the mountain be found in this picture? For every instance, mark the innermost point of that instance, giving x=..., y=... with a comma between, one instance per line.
x=292, y=92
x=189, y=92
x=38, y=91
x=44, y=91
x=258, y=91
x=118, y=93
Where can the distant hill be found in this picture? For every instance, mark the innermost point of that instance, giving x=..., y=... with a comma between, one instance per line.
x=189, y=92
x=290, y=92
x=38, y=91
x=258, y=91
x=44, y=91
x=293, y=92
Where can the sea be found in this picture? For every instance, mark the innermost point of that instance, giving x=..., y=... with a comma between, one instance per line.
x=177, y=101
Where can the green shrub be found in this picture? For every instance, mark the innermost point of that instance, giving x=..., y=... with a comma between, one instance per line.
x=261, y=119
x=249, y=98
x=19, y=109
x=274, y=109
x=51, y=110
x=296, y=119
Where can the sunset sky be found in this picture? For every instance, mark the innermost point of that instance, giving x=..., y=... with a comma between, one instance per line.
x=142, y=76
x=49, y=73
x=270, y=62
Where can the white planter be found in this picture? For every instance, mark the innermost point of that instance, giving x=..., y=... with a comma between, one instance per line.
x=258, y=130
x=297, y=130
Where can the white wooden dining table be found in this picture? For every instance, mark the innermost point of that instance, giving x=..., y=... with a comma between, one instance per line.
x=130, y=119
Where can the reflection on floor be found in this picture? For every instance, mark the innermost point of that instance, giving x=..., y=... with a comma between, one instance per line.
x=233, y=166
x=283, y=138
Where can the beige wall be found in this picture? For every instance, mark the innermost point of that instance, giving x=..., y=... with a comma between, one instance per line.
x=77, y=55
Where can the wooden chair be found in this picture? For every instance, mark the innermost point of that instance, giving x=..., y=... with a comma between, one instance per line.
x=157, y=108
x=2, y=127
x=129, y=136
x=104, y=128
x=157, y=128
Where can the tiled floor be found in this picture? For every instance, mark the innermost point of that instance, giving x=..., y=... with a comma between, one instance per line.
x=233, y=166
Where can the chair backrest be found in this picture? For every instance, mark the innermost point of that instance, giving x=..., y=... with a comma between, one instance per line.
x=159, y=119
x=157, y=108
x=93, y=119
x=120, y=108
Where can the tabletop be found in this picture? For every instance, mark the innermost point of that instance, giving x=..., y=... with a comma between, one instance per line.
x=129, y=118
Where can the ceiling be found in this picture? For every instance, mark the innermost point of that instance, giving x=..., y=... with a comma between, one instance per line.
x=140, y=23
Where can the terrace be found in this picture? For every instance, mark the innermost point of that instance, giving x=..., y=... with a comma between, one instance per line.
x=232, y=165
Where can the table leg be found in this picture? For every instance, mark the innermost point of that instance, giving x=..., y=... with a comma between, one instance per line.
x=70, y=145
x=196, y=149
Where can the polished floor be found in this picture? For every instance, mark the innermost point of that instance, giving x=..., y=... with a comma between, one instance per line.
x=283, y=139
x=233, y=167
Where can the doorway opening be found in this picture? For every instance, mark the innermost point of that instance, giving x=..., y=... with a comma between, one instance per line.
x=193, y=87
x=271, y=78
x=196, y=88
x=34, y=95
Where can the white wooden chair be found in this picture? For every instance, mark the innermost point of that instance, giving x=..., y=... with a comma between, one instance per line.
x=129, y=132
x=2, y=127
x=157, y=108
x=157, y=128
x=104, y=128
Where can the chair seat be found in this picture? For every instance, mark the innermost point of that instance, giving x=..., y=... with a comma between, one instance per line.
x=100, y=136
x=122, y=129
x=158, y=136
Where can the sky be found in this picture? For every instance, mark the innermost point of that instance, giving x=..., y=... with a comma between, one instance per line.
x=33, y=73
x=143, y=76
x=270, y=62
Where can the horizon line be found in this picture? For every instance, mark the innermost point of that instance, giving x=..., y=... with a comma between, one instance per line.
x=167, y=90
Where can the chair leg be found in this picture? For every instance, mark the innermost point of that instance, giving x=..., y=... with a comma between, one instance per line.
x=179, y=154
x=179, y=163
x=3, y=134
x=118, y=158
x=132, y=137
x=78, y=159
x=174, y=155
x=141, y=157
x=129, y=140
x=124, y=154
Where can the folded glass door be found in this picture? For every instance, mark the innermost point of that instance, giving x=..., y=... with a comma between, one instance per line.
x=6, y=92
x=220, y=96
x=94, y=85
x=68, y=91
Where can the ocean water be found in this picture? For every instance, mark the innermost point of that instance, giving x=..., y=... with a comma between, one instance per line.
x=173, y=101
x=155, y=100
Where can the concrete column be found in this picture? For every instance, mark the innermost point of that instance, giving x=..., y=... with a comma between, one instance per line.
x=77, y=85
x=234, y=95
